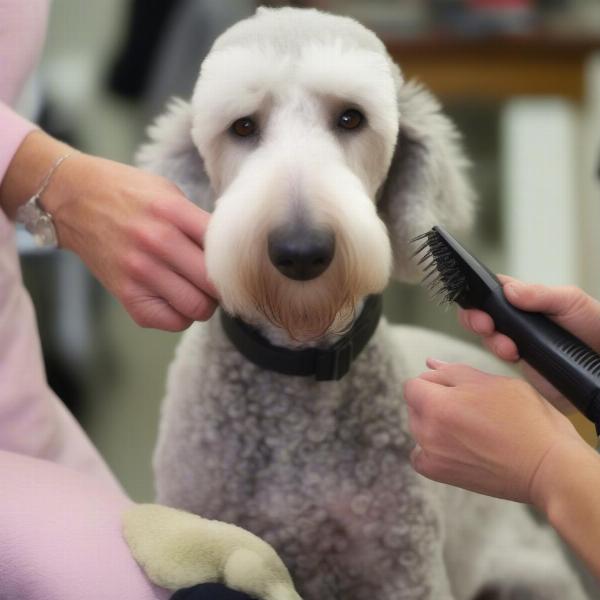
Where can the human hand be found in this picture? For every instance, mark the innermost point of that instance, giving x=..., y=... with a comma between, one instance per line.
x=139, y=235
x=488, y=434
x=568, y=306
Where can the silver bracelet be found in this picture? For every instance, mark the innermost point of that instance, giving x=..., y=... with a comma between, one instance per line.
x=33, y=216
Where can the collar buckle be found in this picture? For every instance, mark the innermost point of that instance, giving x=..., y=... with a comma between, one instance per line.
x=333, y=363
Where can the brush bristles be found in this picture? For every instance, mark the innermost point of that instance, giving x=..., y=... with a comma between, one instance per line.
x=442, y=273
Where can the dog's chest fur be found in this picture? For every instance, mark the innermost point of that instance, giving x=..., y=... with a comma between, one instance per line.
x=320, y=470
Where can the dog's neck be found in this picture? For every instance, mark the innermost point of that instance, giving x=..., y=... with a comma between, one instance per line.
x=326, y=359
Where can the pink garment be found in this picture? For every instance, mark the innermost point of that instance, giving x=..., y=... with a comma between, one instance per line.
x=32, y=420
x=13, y=129
x=22, y=31
x=60, y=507
x=61, y=538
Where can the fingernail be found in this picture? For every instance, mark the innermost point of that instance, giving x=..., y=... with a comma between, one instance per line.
x=434, y=363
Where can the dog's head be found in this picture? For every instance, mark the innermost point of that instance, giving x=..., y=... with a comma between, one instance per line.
x=319, y=163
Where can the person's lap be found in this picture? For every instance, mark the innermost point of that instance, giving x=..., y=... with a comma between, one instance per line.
x=61, y=536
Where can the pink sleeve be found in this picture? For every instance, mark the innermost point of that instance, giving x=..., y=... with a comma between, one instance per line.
x=32, y=419
x=61, y=536
x=13, y=129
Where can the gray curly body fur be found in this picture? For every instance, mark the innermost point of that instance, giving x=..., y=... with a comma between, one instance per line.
x=321, y=469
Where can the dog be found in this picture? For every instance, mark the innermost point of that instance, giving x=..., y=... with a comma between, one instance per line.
x=284, y=413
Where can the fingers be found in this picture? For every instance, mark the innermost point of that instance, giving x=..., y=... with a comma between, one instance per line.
x=554, y=301
x=476, y=321
x=422, y=399
x=482, y=324
x=557, y=301
x=179, y=252
x=430, y=393
x=535, y=297
x=452, y=374
x=434, y=394
x=157, y=280
x=502, y=346
x=184, y=215
x=417, y=388
x=183, y=297
x=569, y=306
x=506, y=278
x=150, y=311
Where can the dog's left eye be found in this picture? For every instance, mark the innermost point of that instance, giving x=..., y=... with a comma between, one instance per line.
x=244, y=127
x=350, y=119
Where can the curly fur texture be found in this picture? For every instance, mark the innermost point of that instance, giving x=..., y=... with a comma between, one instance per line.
x=320, y=469
x=321, y=472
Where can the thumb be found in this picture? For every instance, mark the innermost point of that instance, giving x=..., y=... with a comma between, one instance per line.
x=554, y=301
x=569, y=306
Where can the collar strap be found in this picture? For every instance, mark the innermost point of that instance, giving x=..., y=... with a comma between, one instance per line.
x=326, y=364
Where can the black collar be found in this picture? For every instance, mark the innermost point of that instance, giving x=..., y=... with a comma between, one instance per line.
x=326, y=364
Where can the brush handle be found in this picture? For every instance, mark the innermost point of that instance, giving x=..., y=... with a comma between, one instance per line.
x=563, y=359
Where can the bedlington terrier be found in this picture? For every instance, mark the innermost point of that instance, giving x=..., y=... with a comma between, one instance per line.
x=319, y=162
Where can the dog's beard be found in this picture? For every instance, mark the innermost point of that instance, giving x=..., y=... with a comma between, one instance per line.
x=306, y=310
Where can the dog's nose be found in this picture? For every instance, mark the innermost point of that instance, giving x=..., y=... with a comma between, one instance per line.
x=301, y=252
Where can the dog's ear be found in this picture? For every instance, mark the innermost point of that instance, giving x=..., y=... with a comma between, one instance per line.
x=171, y=152
x=427, y=183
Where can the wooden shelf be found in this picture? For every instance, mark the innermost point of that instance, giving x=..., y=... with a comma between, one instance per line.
x=495, y=68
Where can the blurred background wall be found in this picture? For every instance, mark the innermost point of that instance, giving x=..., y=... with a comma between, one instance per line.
x=520, y=78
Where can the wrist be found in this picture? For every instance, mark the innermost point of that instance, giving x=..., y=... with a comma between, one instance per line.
x=63, y=193
x=563, y=469
x=28, y=168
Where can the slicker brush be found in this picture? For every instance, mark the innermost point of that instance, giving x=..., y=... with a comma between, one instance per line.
x=455, y=275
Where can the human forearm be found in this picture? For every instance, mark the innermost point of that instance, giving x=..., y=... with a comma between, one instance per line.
x=30, y=164
x=566, y=492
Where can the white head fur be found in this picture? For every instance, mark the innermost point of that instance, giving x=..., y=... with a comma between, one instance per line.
x=294, y=73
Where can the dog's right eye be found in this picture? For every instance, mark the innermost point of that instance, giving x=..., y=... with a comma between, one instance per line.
x=350, y=119
x=244, y=127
